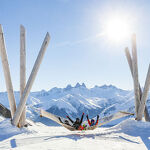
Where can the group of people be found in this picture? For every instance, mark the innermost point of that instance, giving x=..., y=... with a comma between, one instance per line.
x=77, y=124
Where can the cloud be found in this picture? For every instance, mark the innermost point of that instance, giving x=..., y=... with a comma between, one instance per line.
x=72, y=43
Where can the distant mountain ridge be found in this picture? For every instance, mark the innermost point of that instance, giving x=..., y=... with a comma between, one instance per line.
x=103, y=100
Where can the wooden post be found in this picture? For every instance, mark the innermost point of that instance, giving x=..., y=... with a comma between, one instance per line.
x=145, y=95
x=22, y=72
x=30, y=81
x=129, y=59
x=7, y=76
x=135, y=75
x=128, y=56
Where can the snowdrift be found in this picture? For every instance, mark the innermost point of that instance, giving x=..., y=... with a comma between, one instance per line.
x=129, y=134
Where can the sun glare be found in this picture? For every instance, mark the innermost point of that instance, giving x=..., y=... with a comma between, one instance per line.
x=117, y=28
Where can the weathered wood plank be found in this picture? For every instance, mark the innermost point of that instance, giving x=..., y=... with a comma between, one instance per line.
x=31, y=80
x=7, y=75
x=144, y=95
x=22, y=71
x=135, y=75
x=129, y=59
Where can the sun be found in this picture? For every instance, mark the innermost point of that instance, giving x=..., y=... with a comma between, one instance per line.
x=117, y=28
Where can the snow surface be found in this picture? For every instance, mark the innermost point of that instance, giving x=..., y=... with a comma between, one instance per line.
x=128, y=135
x=104, y=100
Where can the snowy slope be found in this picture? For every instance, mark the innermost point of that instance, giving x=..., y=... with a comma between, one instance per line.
x=103, y=100
x=123, y=136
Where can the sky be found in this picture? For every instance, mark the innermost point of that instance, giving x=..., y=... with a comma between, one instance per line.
x=78, y=50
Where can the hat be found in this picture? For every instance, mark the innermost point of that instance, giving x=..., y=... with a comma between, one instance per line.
x=92, y=120
x=77, y=119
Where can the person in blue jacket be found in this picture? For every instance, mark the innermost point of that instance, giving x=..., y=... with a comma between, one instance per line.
x=92, y=122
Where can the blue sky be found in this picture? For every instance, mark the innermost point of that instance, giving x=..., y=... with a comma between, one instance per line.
x=75, y=53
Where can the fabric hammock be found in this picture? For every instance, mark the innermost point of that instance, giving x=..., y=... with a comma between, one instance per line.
x=101, y=121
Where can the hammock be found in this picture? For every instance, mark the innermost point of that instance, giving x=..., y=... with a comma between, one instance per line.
x=101, y=121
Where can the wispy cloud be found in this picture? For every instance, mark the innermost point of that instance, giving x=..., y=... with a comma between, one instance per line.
x=72, y=43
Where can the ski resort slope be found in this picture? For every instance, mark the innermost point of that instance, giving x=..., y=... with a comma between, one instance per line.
x=128, y=135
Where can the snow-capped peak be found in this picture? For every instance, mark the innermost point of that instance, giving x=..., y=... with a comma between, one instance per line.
x=68, y=87
x=78, y=85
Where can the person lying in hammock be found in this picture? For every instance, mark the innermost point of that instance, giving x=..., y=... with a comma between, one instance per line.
x=77, y=124
x=65, y=122
x=92, y=122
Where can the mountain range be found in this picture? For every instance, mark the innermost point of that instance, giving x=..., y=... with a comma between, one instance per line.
x=73, y=101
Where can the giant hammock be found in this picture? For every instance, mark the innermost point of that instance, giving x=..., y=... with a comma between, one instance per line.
x=101, y=121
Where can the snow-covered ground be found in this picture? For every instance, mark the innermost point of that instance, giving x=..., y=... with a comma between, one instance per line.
x=128, y=135
x=103, y=100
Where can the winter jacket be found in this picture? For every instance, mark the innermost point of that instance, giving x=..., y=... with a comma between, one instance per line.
x=92, y=124
x=77, y=125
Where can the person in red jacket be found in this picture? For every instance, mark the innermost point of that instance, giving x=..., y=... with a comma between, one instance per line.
x=92, y=122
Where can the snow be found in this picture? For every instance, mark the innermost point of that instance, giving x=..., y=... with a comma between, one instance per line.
x=104, y=100
x=72, y=101
x=129, y=134
x=7, y=130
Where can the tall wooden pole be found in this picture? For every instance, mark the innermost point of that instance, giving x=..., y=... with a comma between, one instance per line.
x=129, y=59
x=135, y=75
x=145, y=95
x=7, y=76
x=31, y=80
x=22, y=72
